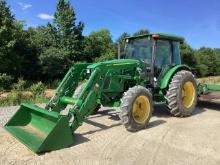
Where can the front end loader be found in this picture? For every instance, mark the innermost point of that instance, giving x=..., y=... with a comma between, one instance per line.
x=150, y=71
x=52, y=127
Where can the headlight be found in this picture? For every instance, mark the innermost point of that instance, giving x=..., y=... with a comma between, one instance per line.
x=88, y=71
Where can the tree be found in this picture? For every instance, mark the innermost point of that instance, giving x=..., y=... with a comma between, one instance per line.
x=25, y=54
x=217, y=54
x=60, y=43
x=188, y=55
x=191, y=58
x=68, y=33
x=44, y=36
x=53, y=59
x=7, y=40
x=53, y=64
x=99, y=43
x=17, y=54
x=207, y=57
x=141, y=32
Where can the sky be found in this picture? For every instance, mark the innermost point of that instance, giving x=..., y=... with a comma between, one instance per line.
x=198, y=21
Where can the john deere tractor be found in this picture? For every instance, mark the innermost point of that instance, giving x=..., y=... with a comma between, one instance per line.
x=149, y=71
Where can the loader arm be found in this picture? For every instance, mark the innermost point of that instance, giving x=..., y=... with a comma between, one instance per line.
x=87, y=100
x=67, y=87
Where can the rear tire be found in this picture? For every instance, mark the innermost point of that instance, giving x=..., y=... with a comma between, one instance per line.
x=181, y=96
x=136, y=108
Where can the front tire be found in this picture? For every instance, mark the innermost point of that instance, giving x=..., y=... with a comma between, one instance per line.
x=181, y=96
x=136, y=108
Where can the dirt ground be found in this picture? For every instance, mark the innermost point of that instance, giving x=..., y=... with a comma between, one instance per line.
x=103, y=140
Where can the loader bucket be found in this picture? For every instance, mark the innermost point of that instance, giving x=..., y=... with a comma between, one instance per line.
x=39, y=129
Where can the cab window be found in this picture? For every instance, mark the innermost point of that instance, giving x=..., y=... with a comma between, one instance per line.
x=176, y=53
x=163, y=54
x=140, y=49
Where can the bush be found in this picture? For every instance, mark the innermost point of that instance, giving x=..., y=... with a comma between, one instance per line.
x=106, y=57
x=14, y=98
x=20, y=85
x=37, y=89
x=5, y=81
x=4, y=101
x=202, y=70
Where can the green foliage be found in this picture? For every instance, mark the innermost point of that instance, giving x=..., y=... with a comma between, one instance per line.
x=26, y=62
x=188, y=56
x=208, y=61
x=6, y=36
x=97, y=44
x=37, y=89
x=20, y=85
x=106, y=57
x=17, y=53
x=16, y=97
x=141, y=32
x=59, y=44
x=36, y=94
x=201, y=70
x=68, y=33
x=205, y=61
x=5, y=81
x=55, y=62
x=207, y=56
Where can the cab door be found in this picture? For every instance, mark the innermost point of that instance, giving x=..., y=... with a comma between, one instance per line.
x=163, y=57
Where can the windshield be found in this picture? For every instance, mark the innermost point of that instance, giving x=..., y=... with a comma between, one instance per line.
x=140, y=49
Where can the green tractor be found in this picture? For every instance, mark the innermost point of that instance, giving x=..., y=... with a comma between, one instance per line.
x=149, y=71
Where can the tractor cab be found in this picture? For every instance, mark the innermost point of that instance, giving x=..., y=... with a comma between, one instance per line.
x=158, y=52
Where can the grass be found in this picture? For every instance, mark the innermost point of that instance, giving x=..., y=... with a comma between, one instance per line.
x=35, y=93
x=211, y=79
x=16, y=97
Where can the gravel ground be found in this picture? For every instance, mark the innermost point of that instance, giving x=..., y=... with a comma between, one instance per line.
x=103, y=140
x=6, y=113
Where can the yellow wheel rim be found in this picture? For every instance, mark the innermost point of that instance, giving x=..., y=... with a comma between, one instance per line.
x=188, y=94
x=141, y=109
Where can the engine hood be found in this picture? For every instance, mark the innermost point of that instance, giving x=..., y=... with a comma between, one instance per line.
x=118, y=62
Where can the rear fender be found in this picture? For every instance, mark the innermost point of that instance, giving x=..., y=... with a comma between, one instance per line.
x=170, y=73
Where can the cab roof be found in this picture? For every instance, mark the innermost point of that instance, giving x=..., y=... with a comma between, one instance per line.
x=160, y=36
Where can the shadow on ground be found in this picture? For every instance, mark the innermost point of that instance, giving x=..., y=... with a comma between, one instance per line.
x=113, y=115
x=210, y=105
x=160, y=111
